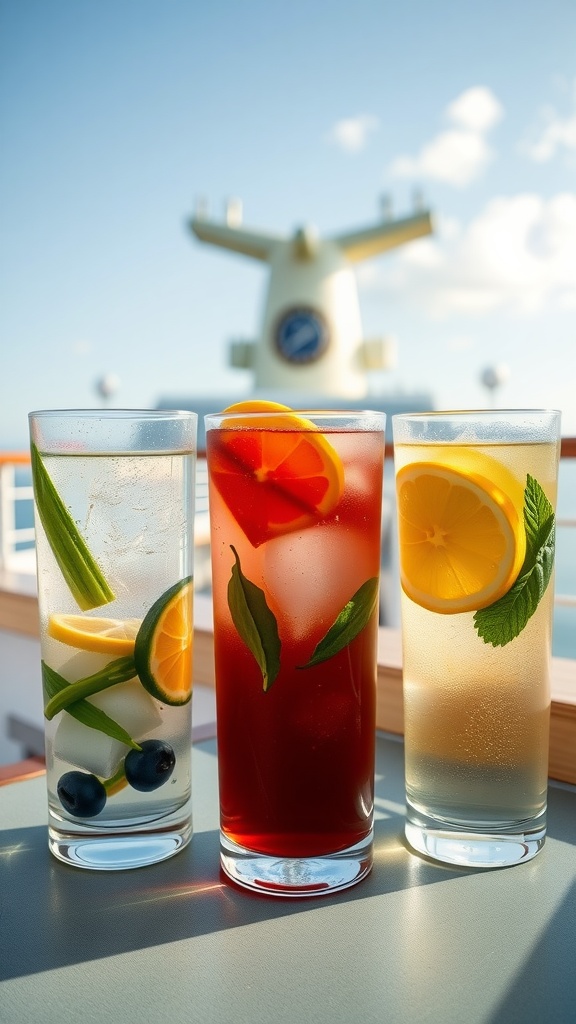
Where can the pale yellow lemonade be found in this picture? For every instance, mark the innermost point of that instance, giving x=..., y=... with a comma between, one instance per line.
x=477, y=715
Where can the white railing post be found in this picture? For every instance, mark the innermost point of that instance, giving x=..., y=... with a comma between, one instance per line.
x=10, y=534
x=7, y=513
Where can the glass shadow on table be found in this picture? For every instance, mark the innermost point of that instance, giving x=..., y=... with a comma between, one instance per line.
x=52, y=915
x=531, y=997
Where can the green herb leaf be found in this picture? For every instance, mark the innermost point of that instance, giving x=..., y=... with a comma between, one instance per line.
x=119, y=671
x=255, y=622
x=354, y=616
x=80, y=570
x=505, y=619
x=85, y=712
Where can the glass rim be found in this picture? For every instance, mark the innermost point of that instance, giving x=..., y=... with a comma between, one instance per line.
x=475, y=413
x=119, y=414
x=113, y=431
x=448, y=426
x=297, y=414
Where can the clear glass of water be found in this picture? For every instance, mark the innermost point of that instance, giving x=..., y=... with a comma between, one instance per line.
x=114, y=514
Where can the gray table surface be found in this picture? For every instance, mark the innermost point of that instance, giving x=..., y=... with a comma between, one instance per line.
x=174, y=942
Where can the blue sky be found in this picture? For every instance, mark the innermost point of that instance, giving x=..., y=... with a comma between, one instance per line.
x=117, y=117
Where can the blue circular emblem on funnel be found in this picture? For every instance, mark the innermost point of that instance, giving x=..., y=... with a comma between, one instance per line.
x=301, y=335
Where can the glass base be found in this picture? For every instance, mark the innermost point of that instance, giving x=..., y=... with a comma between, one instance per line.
x=120, y=849
x=296, y=876
x=474, y=849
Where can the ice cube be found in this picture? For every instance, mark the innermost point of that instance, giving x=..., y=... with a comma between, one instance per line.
x=87, y=748
x=81, y=665
x=310, y=576
x=130, y=706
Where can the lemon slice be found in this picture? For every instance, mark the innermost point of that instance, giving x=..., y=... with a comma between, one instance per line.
x=87, y=633
x=461, y=538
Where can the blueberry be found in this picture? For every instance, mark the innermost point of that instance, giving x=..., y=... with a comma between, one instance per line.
x=82, y=795
x=151, y=767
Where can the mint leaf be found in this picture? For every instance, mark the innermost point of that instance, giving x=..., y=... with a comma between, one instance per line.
x=255, y=622
x=354, y=616
x=85, y=712
x=538, y=513
x=505, y=619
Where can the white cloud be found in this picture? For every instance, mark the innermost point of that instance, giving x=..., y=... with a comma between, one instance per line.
x=519, y=253
x=476, y=109
x=456, y=157
x=558, y=134
x=461, y=153
x=351, y=134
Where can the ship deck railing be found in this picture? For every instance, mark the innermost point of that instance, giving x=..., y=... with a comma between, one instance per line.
x=19, y=616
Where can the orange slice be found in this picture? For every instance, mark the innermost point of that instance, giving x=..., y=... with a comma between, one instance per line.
x=461, y=537
x=89, y=633
x=277, y=473
x=163, y=650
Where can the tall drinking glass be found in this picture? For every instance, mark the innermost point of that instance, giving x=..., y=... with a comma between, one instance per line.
x=476, y=494
x=295, y=506
x=114, y=509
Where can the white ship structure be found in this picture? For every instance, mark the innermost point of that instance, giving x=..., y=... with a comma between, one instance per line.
x=311, y=349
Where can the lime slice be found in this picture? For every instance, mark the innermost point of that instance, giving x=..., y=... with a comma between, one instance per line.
x=163, y=648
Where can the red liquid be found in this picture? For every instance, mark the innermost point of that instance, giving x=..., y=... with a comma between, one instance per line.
x=296, y=763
